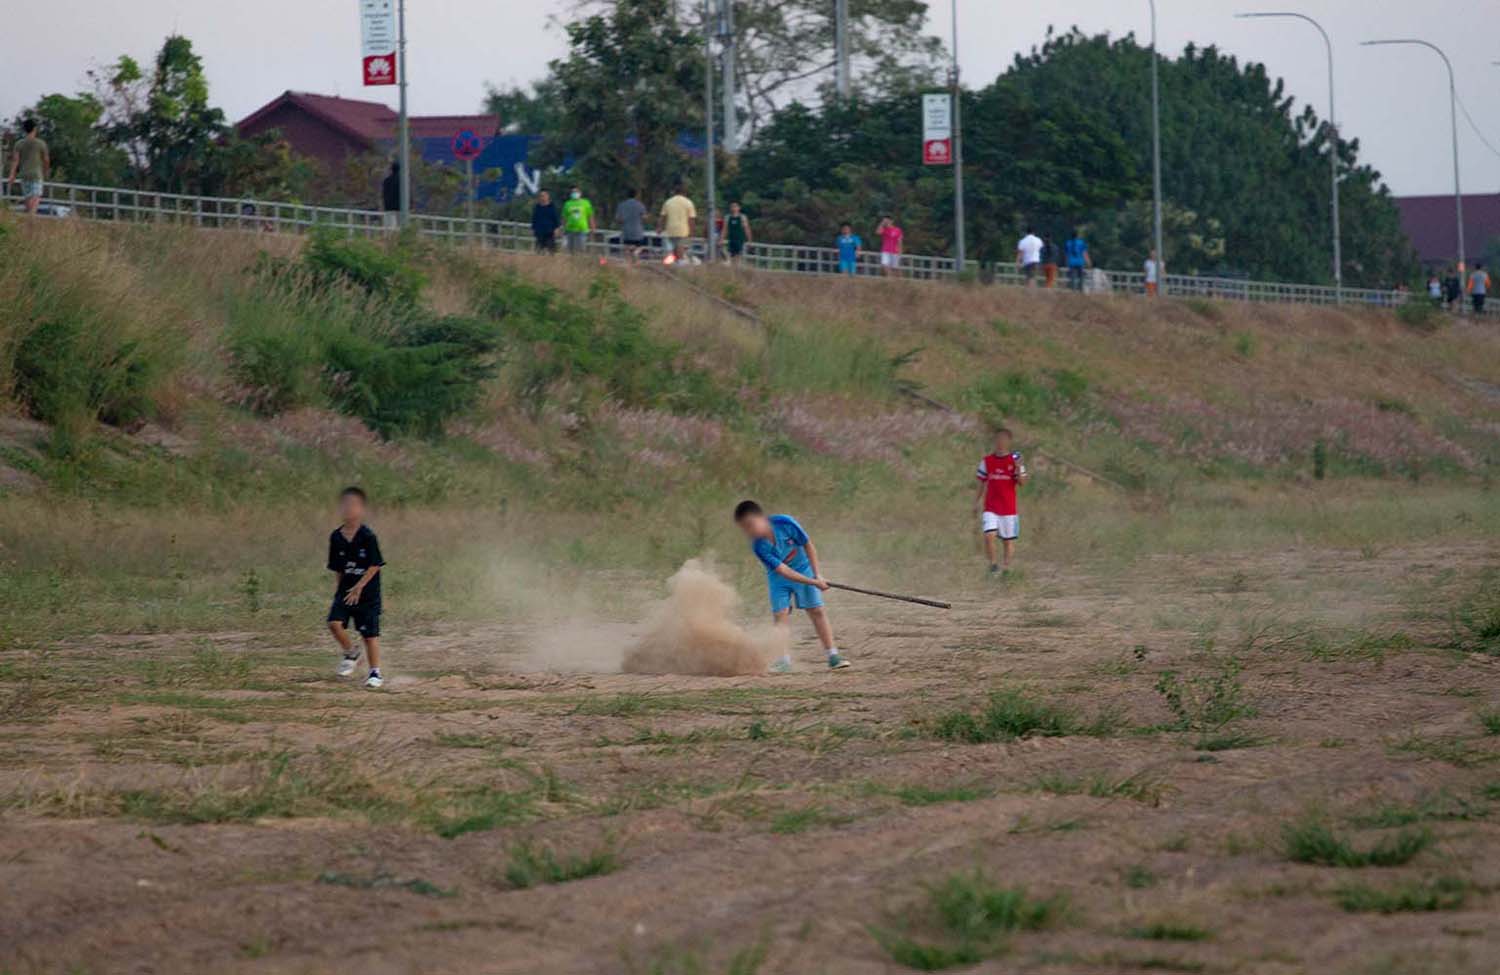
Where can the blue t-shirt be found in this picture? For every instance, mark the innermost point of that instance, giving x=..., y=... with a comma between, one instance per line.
x=849, y=246
x=789, y=547
x=1078, y=249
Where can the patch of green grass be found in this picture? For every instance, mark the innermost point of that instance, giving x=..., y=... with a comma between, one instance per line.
x=1139, y=787
x=1445, y=748
x=1138, y=877
x=1313, y=840
x=1475, y=621
x=1228, y=741
x=1169, y=931
x=382, y=879
x=460, y=740
x=804, y=819
x=1489, y=720
x=921, y=795
x=1441, y=807
x=972, y=919
x=1442, y=894
x=532, y=866
x=1011, y=714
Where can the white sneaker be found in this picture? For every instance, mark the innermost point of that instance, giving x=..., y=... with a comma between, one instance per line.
x=374, y=681
x=347, y=665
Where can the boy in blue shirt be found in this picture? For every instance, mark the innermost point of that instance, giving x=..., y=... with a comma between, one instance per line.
x=791, y=562
x=849, y=247
x=1079, y=260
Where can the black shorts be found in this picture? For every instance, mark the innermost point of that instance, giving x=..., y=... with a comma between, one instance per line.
x=634, y=242
x=365, y=616
x=736, y=247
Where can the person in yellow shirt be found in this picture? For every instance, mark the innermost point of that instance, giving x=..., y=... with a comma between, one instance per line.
x=677, y=216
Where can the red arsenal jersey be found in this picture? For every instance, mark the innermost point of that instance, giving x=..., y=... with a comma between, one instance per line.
x=1001, y=474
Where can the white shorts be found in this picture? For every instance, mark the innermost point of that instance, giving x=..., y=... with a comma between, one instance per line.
x=1008, y=527
x=887, y=259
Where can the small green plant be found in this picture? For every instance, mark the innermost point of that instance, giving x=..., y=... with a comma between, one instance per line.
x=1442, y=894
x=1169, y=931
x=921, y=795
x=415, y=885
x=1320, y=460
x=1489, y=720
x=1312, y=840
x=1245, y=344
x=1138, y=877
x=1206, y=702
x=250, y=586
x=1420, y=315
x=532, y=866
x=804, y=819
x=1475, y=621
x=1007, y=715
x=972, y=918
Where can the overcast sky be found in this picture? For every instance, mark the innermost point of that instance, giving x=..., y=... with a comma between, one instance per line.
x=1393, y=99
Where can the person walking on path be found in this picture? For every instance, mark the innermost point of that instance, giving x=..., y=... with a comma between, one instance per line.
x=1029, y=256
x=390, y=197
x=631, y=216
x=33, y=163
x=737, y=233
x=892, y=240
x=545, y=223
x=849, y=244
x=1079, y=261
x=677, y=216
x=1153, y=275
x=1479, y=287
x=578, y=220
x=1453, y=288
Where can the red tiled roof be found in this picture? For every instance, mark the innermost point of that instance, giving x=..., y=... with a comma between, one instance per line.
x=1432, y=224
x=373, y=122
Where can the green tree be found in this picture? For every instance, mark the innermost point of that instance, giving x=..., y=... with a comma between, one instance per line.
x=536, y=110
x=631, y=90
x=80, y=154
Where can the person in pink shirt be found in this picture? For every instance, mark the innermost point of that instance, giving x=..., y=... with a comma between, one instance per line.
x=891, y=238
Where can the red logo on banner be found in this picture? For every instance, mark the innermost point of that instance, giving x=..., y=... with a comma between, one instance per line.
x=937, y=152
x=380, y=69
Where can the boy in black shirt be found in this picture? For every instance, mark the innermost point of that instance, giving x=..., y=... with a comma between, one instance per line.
x=354, y=554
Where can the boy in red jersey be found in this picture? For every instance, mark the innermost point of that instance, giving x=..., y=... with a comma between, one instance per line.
x=999, y=475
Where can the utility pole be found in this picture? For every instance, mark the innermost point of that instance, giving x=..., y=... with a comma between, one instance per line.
x=404, y=129
x=1333, y=149
x=841, y=47
x=1161, y=251
x=1458, y=190
x=960, y=257
x=731, y=124
x=708, y=133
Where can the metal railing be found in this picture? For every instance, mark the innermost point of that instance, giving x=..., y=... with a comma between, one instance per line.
x=270, y=216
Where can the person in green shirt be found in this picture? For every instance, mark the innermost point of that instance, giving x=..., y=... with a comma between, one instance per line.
x=736, y=233
x=578, y=220
x=32, y=161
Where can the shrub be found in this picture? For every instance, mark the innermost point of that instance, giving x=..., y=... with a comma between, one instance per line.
x=1420, y=314
x=1312, y=840
x=531, y=866
x=1051, y=395
x=972, y=917
x=380, y=270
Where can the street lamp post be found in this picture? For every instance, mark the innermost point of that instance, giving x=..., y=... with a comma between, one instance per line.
x=1161, y=251
x=960, y=257
x=708, y=134
x=1333, y=151
x=404, y=125
x=1458, y=192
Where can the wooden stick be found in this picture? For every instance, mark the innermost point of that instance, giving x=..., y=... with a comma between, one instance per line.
x=936, y=604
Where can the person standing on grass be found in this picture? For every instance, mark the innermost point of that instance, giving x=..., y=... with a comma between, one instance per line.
x=578, y=220
x=892, y=240
x=677, y=216
x=1435, y=288
x=1153, y=275
x=354, y=557
x=1453, y=288
x=1029, y=256
x=737, y=233
x=849, y=244
x=1000, y=473
x=545, y=223
x=631, y=216
x=792, y=573
x=33, y=163
x=1079, y=261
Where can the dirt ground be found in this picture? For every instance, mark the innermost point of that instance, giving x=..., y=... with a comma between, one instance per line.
x=187, y=804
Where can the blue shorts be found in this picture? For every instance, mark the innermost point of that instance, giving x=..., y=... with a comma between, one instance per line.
x=785, y=594
x=848, y=267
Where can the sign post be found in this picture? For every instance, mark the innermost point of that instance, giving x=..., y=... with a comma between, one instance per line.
x=382, y=32
x=937, y=130
x=467, y=145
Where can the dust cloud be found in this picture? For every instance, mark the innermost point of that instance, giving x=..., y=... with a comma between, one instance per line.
x=693, y=631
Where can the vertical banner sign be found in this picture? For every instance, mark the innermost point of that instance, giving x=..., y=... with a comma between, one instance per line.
x=937, y=130
x=377, y=34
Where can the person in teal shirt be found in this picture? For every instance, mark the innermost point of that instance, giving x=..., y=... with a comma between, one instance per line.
x=577, y=220
x=849, y=244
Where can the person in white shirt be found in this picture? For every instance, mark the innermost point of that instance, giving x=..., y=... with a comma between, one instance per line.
x=1029, y=256
x=1153, y=275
